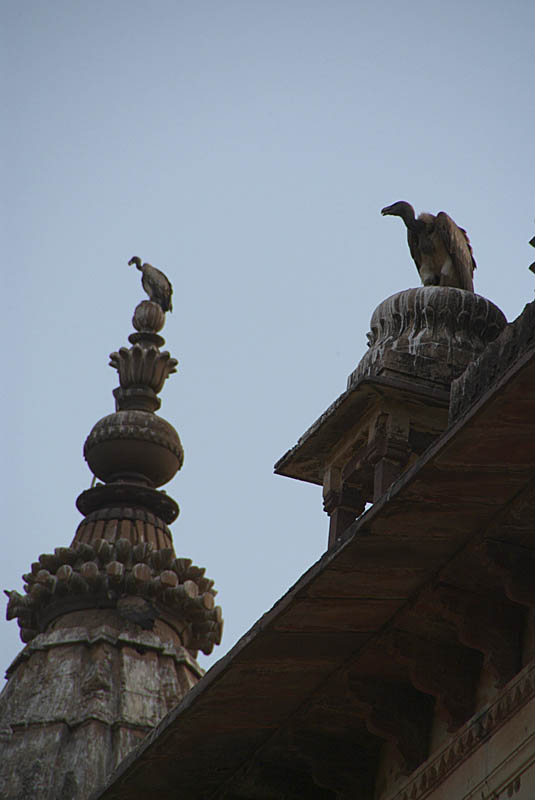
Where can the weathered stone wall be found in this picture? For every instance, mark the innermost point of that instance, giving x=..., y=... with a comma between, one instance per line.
x=492, y=757
x=79, y=699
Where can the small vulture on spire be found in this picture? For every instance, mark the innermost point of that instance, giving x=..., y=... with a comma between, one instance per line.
x=441, y=249
x=155, y=283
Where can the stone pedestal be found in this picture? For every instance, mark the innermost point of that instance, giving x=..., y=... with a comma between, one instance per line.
x=429, y=335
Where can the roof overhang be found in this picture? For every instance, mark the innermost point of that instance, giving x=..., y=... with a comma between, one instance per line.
x=305, y=461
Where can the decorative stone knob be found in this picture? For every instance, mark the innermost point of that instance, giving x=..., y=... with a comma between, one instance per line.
x=134, y=445
x=148, y=316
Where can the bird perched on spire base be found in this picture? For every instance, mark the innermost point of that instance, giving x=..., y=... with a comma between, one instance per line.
x=155, y=283
x=441, y=249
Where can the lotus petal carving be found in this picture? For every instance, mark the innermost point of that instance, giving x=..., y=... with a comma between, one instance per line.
x=143, y=366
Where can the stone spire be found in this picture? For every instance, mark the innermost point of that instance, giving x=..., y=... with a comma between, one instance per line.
x=112, y=623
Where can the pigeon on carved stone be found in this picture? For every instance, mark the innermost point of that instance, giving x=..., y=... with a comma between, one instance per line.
x=155, y=283
x=441, y=249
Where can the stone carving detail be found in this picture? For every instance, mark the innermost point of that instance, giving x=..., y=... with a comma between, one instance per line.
x=149, y=317
x=492, y=626
x=515, y=564
x=143, y=366
x=335, y=762
x=396, y=712
x=449, y=673
x=469, y=738
x=150, y=448
x=134, y=424
x=432, y=332
x=83, y=576
x=123, y=500
x=516, y=339
x=135, y=524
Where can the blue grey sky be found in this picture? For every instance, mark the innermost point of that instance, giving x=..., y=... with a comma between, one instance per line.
x=246, y=148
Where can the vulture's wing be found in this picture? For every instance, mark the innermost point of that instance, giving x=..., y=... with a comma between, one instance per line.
x=412, y=239
x=162, y=277
x=458, y=246
x=162, y=287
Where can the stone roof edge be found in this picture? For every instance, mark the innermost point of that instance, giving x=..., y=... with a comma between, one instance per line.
x=475, y=733
x=515, y=341
x=349, y=398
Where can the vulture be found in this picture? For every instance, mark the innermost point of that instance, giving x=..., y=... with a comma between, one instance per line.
x=441, y=249
x=155, y=283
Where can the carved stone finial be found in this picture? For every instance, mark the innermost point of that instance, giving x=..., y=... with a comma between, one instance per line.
x=142, y=368
x=148, y=317
x=134, y=443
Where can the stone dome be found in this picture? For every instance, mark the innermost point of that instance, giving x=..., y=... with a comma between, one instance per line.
x=431, y=333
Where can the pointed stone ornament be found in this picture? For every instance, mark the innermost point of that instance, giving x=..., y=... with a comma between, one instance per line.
x=112, y=623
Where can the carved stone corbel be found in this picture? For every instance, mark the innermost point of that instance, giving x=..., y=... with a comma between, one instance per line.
x=448, y=673
x=343, y=507
x=516, y=566
x=388, y=448
x=341, y=502
x=335, y=763
x=491, y=624
x=396, y=712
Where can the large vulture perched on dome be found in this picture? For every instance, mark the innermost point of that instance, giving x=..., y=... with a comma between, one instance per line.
x=441, y=249
x=155, y=283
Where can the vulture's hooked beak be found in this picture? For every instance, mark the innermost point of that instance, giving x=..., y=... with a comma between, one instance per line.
x=385, y=211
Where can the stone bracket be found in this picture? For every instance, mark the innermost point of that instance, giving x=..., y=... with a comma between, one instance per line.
x=489, y=623
x=516, y=566
x=335, y=763
x=447, y=673
x=343, y=507
x=396, y=712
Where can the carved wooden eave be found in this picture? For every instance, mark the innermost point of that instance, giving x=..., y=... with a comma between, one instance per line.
x=425, y=598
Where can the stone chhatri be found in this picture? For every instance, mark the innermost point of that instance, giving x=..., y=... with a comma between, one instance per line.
x=396, y=402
